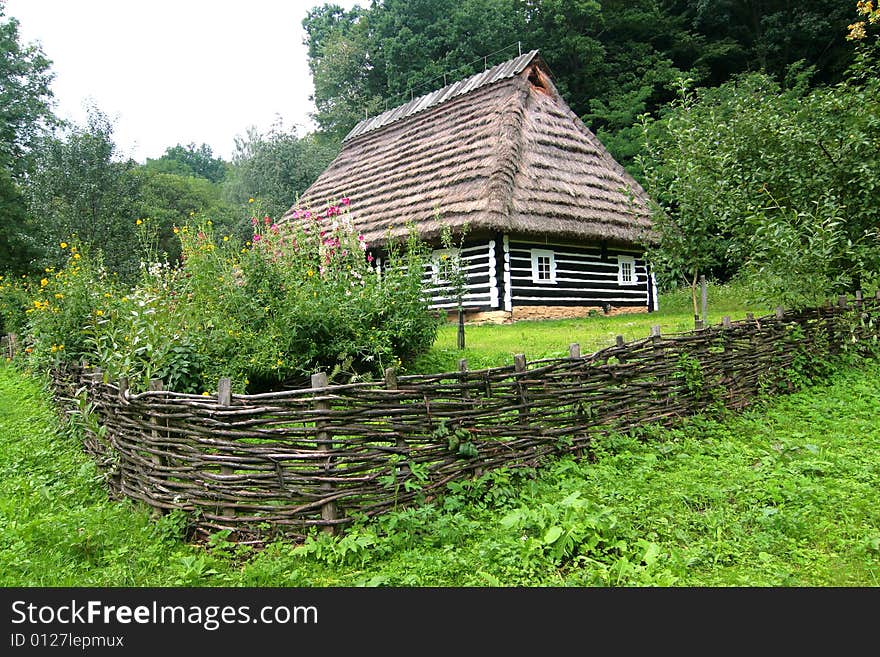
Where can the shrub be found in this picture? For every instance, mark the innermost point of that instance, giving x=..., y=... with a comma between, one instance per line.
x=298, y=298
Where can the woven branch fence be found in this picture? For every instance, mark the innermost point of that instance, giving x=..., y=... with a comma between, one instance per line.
x=281, y=463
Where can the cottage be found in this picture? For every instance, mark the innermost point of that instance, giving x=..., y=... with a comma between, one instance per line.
x=554, y=226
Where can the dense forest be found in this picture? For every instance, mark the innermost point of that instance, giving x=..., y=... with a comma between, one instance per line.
x=751, y=123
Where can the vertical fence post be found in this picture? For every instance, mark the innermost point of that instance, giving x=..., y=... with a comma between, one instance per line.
x=859, y=299
x=658, y=356
x=400, y=443
x=574, y=350
x=224, y=398
x=519, y=366
x=704, y=294
x=841, y=301
x=780, y=312
x=322, y=437
x=156, y=385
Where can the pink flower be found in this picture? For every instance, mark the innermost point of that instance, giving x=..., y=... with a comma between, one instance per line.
x=253, y=221
x=274, y=228
x=296, y=214
x=307, y=214
x=267, y=220
x=344, y=200
x=257, y=238
x=369, y=257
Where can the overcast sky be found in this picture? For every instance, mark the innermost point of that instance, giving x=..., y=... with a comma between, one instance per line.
x=176, y=71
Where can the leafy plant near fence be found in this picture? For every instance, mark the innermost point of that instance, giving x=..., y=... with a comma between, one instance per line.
x=297, y=298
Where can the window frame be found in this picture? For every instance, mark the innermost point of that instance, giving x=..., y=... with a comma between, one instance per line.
x=626, y=260
x=536, y=255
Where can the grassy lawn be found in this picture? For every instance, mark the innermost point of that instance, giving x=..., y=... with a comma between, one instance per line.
x=782, y=495
x=494, y=345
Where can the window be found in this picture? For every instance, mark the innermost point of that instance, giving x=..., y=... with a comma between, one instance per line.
x=443, y=264
x=543, y=266
x=626, y=270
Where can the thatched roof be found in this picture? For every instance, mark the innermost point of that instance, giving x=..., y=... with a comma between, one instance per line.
x=499, y=151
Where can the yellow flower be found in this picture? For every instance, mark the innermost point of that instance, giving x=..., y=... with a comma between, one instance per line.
x=176, y=230
x=226, y=238
x=192, y=213
x=58, y=295
x=107, y=295
x=76, y=256
x=138, y=222
x=63, y=245
x=53, y=348
x=99, y=312
x=250, y=200
x=206, y=394
x=44, y=282
x=311, y=273
x=210, y=223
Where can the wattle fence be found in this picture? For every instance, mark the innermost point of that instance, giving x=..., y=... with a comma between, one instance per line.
x=281, y=463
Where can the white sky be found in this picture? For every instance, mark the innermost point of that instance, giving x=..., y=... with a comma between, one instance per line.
x=176, y=71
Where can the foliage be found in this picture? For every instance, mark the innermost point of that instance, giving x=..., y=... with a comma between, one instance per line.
x=298, y=298
x=190, y=160
x=25, y=115
x=276, y=166
x=612, y=60
x=81, y=188
x=165, y=200
x=774, y=181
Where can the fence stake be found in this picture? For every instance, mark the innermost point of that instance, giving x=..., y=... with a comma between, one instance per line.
x=704, y=294
x=224, y=398
x=878, y=294
x=780, y=312
x=155, y=385
x=574, y=350
x=841, y=301
x=462, y=370
x=519, y=366
x=391, y=384
x=725, y=321
x=322, y=437
x=858, y=298
x=123, y=386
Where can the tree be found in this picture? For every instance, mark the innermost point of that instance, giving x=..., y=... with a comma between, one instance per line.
x=190, y=160
x=25, y=115
x=775, y=181
x=79, y=187
x=167, y=200
x=276, y=166
x=612, y=60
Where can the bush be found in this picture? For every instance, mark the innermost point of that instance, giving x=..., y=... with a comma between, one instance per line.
x=298, y=298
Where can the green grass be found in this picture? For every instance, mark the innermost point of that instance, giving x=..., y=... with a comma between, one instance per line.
x=782, y=495
x=494, y=345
